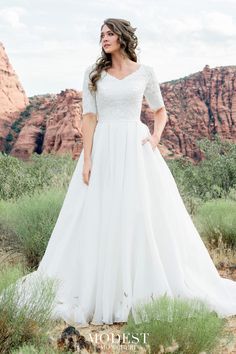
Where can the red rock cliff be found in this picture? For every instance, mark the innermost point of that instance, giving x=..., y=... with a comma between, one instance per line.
x=12, y=96
x=199, y=105
x=50, y=125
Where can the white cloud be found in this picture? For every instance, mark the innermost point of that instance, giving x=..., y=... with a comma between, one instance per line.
x=11, y=16
x=223, y=1
x=50, y=42
x=219, y=23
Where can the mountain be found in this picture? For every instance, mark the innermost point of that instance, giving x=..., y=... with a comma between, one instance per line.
x=13, y=99
x=49, y=124
x=199, y=105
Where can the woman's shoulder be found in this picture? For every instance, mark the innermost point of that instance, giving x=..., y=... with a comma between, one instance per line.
x=89, y=68
x=148, y=68
x=150, y=72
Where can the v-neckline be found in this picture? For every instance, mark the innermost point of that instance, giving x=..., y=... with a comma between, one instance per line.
x=124, y=76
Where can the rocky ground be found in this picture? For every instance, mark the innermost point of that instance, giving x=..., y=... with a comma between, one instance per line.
x=226, y=347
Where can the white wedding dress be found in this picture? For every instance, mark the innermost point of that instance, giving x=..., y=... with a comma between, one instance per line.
x=126, y=236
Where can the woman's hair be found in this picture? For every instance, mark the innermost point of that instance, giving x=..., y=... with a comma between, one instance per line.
x=128, y=43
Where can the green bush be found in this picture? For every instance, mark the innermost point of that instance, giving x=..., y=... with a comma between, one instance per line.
x=15, y=127
x=232, y=194
x=44, y=171
x=25, y=316
x=188, y=325
x=9, y=137
x=213, y=177
x=10, y=275
x=31, y=219
x=216, y=220
x=32, y=349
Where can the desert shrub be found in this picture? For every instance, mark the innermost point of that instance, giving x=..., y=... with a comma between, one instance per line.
x=213, y=177
x=25, y=315
x=32, y=349
x=41, y=172
x=216, y=220
x=31, y=219
x=182, y=325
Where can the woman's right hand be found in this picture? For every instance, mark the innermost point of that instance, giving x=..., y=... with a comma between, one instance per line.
x=87, y=170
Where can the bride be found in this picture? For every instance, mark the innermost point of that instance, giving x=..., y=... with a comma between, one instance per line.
x=123, y=234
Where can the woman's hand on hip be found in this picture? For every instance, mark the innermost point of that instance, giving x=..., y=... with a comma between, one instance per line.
x=154, y=140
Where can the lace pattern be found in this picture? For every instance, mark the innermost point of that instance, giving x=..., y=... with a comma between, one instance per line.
x=89, y=98
x=152, y=91
x=120, y=98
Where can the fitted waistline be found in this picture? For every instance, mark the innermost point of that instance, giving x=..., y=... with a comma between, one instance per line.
x=121, y=120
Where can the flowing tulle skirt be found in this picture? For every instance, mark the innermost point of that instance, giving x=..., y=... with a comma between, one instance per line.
x=127, y=236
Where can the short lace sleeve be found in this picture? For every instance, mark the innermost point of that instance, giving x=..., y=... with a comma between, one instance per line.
x=152, y=91
x=89, y=98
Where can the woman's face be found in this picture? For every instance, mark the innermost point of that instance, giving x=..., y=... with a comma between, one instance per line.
x=109, y=40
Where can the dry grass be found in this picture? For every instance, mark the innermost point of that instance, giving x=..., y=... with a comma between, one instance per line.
x=224, y=258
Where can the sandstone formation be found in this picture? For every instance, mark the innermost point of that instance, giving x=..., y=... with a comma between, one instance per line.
x=12, y=96
x=52, y=126
x=199, y=105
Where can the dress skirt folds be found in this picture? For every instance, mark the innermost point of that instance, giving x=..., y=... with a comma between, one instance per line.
x=126, y=236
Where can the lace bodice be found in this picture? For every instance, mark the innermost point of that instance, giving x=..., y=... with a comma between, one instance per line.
x=122, y=98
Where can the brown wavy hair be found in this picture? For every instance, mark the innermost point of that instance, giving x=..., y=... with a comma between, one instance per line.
x=128, y=43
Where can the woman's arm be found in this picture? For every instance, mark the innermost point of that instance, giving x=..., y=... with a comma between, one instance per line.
x=89, y=124
x=88, y=128
x=160, y=119
x=155, y=100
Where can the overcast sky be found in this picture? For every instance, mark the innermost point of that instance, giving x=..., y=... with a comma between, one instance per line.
x=51, y=42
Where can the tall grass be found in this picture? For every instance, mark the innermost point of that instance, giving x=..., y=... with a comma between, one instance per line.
x=32, y=349
x=44, y=349
x=32, y=218
x=216, y=221
x=212, y=177
x=25, y=313
x=188, y=326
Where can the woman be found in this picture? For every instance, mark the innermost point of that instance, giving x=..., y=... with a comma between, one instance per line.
x=123, y=234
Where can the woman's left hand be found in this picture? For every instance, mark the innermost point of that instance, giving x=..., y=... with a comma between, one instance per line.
x=154, y=141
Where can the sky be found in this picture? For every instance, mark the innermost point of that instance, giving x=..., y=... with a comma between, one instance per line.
x=51, y=42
